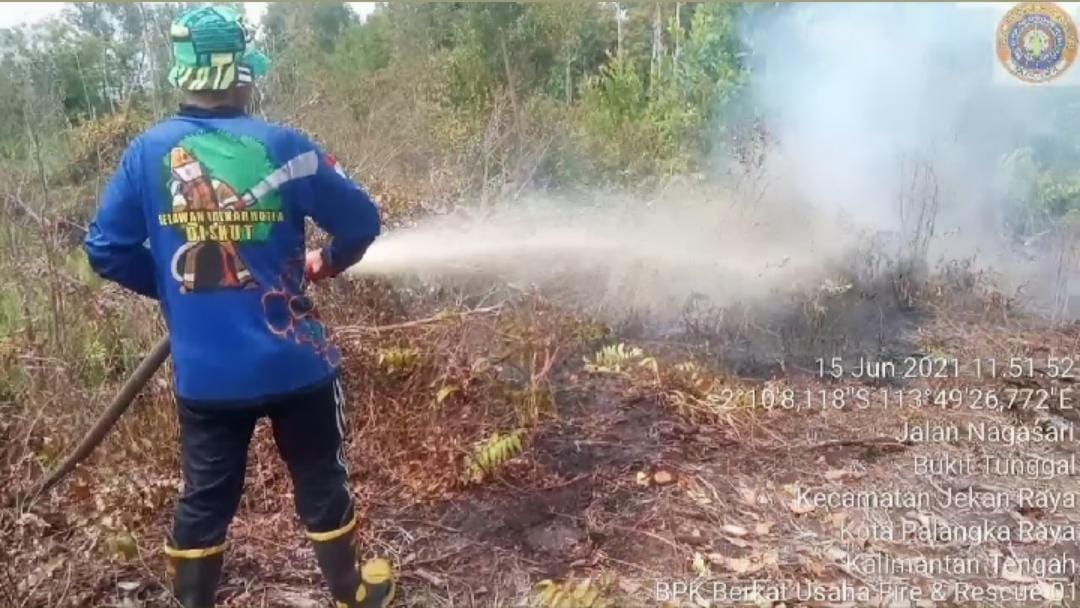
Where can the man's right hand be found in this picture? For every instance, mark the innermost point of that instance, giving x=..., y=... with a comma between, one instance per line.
x=315, y=266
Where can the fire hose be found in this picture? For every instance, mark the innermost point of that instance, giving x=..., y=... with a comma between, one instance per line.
x=135, y=383
x=120, y=403
x=141, y=376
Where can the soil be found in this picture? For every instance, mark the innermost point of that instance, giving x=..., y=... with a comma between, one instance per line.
x=731, y=500
x=621, y=488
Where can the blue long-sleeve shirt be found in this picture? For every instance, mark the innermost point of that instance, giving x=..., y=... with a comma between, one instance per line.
x=206, y=214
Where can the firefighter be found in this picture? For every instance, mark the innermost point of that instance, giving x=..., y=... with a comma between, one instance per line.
x=206, y=214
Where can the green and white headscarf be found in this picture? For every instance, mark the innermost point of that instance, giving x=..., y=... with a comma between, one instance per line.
x=212, y=50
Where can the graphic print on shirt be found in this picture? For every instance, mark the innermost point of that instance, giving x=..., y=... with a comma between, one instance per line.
x=292, y=316
x=223, y=194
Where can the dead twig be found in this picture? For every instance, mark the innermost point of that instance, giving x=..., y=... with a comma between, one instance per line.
x=872, y=442
x=416, y=563
x=359, y=329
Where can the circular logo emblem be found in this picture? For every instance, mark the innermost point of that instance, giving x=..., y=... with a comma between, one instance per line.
x=1036, y=41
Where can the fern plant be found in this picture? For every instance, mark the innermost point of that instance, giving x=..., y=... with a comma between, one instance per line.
x=491, y=454
x=399, y=360
x=583, y=594
x=688, y=377
x=612, y=359
x=616, y=359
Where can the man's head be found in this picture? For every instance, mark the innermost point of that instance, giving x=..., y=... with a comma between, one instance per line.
x=213, y=59
x=234, y=97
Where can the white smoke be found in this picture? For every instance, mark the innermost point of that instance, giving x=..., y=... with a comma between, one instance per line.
x=874, y=109
x=858, y=95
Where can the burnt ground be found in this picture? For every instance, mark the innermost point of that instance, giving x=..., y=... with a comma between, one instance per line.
x=622, y=488
x=732, y=508
x=731, y=503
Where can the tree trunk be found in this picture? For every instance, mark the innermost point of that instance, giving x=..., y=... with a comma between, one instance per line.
x=678, y=38
x=154, y=64
x=657, y=49
x=509, y=74
x=56, y=302
x=108, y=88
x=86, y=90
x=569, y=84
x=618, y=31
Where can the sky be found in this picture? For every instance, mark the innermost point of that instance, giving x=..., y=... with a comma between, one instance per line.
x=17, y=13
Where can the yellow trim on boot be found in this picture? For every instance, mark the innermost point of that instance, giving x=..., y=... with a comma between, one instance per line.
x=376, y=571
x=322, y=537
x=194, y=553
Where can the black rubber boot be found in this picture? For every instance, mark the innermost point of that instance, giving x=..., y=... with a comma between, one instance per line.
x=353, y=586
x=195, y=579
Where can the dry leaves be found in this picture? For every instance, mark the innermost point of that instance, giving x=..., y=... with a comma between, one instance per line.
x=734, y=530
x=663, y=478
x=747, y=564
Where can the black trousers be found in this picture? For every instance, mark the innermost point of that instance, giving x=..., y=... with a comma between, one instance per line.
x=309, y=432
